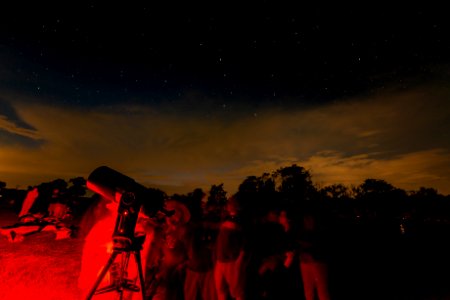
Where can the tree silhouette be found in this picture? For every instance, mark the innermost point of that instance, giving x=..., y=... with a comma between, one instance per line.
x=341, y=200
x=256, y=194
x=295, y=186
x=215, y=203
x=77, y=187
x=249, y=185
x=382, y=201
x=427, y=204
x=247, y=196
x=288, y=186
x=217, y=196
x=375, y=187
x=337, y=191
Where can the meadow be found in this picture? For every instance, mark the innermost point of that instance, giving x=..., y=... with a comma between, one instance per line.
x=39, y=267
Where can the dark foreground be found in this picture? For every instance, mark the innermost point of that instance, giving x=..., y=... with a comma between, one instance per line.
x=376, y=265
x=365, y=264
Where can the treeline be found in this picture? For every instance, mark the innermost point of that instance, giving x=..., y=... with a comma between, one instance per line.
x=289, y=187
x=70, y=192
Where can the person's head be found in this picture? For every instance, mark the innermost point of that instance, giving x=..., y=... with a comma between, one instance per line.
x=181, y=213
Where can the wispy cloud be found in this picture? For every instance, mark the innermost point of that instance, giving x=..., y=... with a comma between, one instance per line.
x=401, y=137
x=407, y=171
x=12, y=127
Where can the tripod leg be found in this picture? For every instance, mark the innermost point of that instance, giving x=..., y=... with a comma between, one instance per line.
x=102, y=274
x=137, y=256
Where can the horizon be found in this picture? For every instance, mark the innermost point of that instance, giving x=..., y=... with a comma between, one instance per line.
x=184, y=190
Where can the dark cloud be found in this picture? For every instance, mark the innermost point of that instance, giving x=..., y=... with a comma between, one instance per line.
x=14, y=130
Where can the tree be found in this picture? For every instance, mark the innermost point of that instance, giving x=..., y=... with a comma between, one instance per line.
x=77, y=187
x=428, y=203
x=249, y=185
x=340, y=199
x=217, y=196
x=375, y=187
x=381, y=199
x=256, y=195
x=295, y=185
x=286, y=187
x=215, y=204
x=60, y=184
x=337, y=191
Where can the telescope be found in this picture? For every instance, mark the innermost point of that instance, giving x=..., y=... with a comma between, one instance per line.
x=130, y=195
x=131, y=198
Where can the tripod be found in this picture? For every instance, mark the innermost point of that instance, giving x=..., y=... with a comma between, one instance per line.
x=120, y=284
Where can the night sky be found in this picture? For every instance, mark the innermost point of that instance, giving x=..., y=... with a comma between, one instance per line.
x=179, y=100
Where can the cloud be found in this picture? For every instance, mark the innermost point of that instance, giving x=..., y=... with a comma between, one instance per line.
x=11, y=127
x=408, y=171
x=401, y=137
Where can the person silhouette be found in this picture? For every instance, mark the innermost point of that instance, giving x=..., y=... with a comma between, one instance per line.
x=313, y=253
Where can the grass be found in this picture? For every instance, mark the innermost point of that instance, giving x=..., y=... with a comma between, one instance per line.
x=39, y=267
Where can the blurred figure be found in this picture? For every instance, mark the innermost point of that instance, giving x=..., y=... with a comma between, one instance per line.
x=32, y=195
x=268, y=254
x=58, y=208
x=230, y=270
x=313, y=253
x=98, y=248
x=199, y=282
x=169, y=280
x=291, y=277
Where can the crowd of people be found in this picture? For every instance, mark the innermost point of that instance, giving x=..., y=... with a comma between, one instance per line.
x=220, y=253
x=42, y=211
x=260, y=243
x=200, y=252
